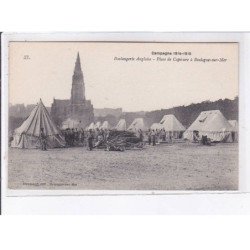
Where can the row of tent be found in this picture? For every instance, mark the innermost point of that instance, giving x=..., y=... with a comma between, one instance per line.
x=69, y=124
x=210, y=123
x=168, y=122
x=121, y=125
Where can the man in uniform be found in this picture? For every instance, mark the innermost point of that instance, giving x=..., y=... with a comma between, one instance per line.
x=90, y=138
x=164, y=134
x=153, y=136
x=82, y=136
x=140, y=135
x=43, y=140
x=149, y=137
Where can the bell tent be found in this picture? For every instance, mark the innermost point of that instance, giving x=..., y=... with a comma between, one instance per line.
x=105, y=125
x=28, y=134
x=172, y=126
x=212, y=124
x=137, y=124
x=121, y=125
x=98, y=125
x=91, y=126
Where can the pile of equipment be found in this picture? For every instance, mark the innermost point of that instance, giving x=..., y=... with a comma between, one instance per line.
x=121, y=140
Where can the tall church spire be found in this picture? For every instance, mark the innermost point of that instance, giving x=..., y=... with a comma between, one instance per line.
x=77, y=108
x=78, y=88
x=78, y=64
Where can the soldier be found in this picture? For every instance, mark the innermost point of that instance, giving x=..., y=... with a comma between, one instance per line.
x=43, y=140
x=82, y=136
x=140, y=135
x=163, y=134
x=107, y=132
x=153, y=137
x=76, y=136
x=157, y=135
x=90, y=138
x=72, y=137
x=149, y=137
x=100, y=139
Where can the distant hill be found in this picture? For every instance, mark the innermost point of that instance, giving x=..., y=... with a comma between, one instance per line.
x=108, y=111
x=185, y=114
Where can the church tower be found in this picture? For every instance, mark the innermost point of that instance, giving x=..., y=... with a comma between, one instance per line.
x=77, y=107
x=78, y=88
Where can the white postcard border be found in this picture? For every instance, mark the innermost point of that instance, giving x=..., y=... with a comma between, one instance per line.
x=244, y=118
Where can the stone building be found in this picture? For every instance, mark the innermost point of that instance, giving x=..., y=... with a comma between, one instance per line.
x=77, y=107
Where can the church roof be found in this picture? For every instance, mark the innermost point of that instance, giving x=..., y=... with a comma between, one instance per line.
x=62, y=102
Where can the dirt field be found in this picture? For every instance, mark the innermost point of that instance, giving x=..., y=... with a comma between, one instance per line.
x=164, y=167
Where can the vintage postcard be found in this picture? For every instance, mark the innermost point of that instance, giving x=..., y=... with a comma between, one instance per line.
x=122, y=115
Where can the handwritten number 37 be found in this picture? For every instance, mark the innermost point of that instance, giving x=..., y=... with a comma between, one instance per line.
x=26, y=57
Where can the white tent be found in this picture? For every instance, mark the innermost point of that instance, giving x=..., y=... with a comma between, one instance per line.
x=91, y=126
x=212, y=124
x=172, y=126
x=105, y=125
x=70, y=123
x=27, y=135
x=155, y=126
x=98, y=125
x=137, y=124
x=121, y=125
x=235, y=132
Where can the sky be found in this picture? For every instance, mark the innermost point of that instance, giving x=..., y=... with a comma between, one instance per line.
x=44, y=70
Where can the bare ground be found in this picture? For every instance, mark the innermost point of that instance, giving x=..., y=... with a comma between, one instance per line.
x=182, y=166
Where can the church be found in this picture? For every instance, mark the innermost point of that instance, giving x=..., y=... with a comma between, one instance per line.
x=77, y=107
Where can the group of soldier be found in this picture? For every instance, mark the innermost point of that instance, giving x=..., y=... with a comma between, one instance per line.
x=74, y=137
x=79, y=137
x=155, y=135
x=96, y=137
x=93, y=138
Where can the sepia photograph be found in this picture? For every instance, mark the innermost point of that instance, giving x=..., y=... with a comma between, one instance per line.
x=124, y=123
x=123, y=116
